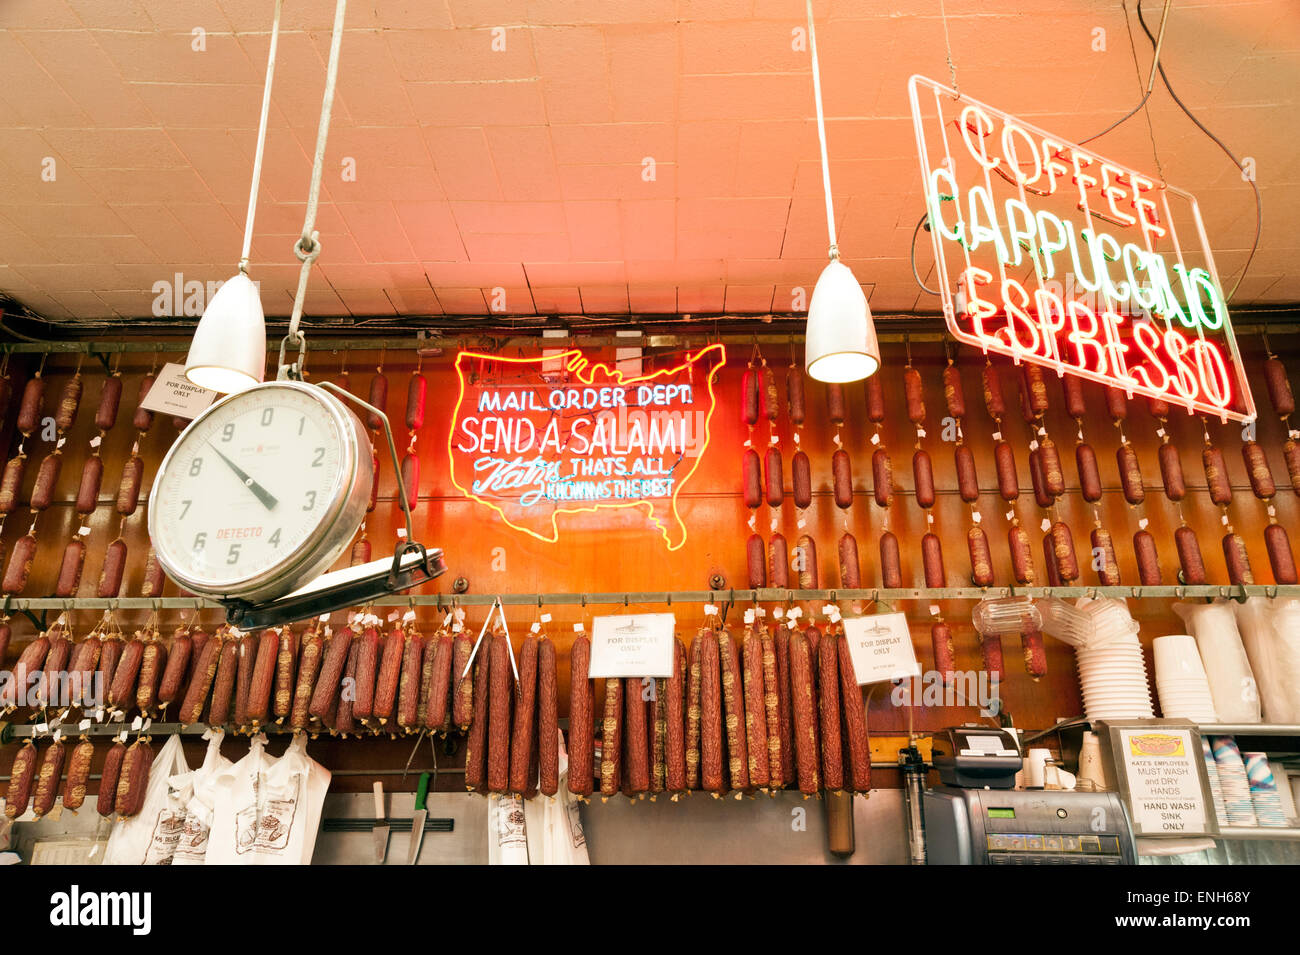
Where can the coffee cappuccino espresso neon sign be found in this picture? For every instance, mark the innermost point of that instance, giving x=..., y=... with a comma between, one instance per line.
x=535, y=438
x=1052, y=254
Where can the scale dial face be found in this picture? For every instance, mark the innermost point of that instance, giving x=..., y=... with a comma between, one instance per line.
x=260, y=493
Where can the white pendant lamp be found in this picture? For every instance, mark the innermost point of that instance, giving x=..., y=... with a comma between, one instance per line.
x=228, y=351
x=841, y=340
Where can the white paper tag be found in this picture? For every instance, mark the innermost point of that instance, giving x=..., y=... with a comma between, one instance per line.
x=1010, y=514
x=920, y=432
x=83, y=531
x=408, y=617
x=546, y=618
x=393, y=616
x=801, y=523
x=794, y=613
x=1224, y=520
x=875, y=438
x=632, y=645
x=457, y=627
x=997, y=435
x=880, y=647
x=83, y=725
x=58, y=445
x=1046, y=525
x=760, y=613
x=535, y=628
x=774, y=524
x=747, y=443
x=1033, y=445
x=1142, y=523
x=778, y=613
x=934, y=610
x=710, y=610
x=776, y=439
x=446, y=621
x=836, y=438
x=96, y=441
x=749, y=616
x=1272, y=511
x=577, y=628
x=975, y=516
x=401, y=533
x=753, y=522
x=172, y=393
x=929, y=518
x=137, y=723
x=42, y=728
x=796, y=438
x=828, y=609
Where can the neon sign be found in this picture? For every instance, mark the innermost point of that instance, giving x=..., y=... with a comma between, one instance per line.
x=531, y=447
x=1054, y=255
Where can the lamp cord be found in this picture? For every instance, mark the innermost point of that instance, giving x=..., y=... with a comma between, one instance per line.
x=261, y=141
x=821, y=135
x=307, y=248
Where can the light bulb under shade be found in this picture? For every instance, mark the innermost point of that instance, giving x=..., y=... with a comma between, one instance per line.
x=841, y=343
x=228, y=352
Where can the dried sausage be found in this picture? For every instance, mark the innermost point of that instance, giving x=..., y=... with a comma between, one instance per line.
x=1290, y=451
x=21, y=774
x=11, y=483
x=694, y=693
x=1130, y=473
x=891, y=565
x=1022, y=555
x=1041, y=496
x=134, y=780
x=1116, y=403
x=1049, y=459
x=611, y=738
x=204, y=654
x=1063, y=552
x=360, y=552
x=374, y=480
x=801, y=479
x=379, y=399
x=436, y=672
x=178, y=663
x=1238, y=561
x=548, y=720
x=850, y=573
x=74, y=558
x=1279, y=387
x=784, y=715
x=388, y=678
x=768, y=399
x=967, y=479
x=1031, y=642
x=749, y=396
x=20, y=565
x=835, y=403
x=775, y=478
x=363, y=705
x=828, y=706
x=923, y=478
x=953, y=395
x=462, y=700
x=882, y=477
x=1189, y=555
x=69, y=400
x=794, y=394
x=1033, y=391
x=993, y=400
x=499, y=706
x=753, y=480
x=756, y=561
x=1158, y=408
x=875, y=389
x=1049, y=561
x=1148, y=562
x=636, y=739
x=779, y=563
x=1085, y=459
x=945, y=661
x=991, y=650
x=521, y=743
x=711, y=749
x=914, y=395
x=339, y=716
x=842, y=475
x=477, y=738
x=265, y=663
x=110, y=397
x=152, y=585
x=142, y=420
x=92, y=475
x=981, y=559
x=110, y=574
x=857, y=743
x=1261, y=478
x=109, y=777
x=733, y=700
x=675, y=728
x=1171, y=471
x=1005, y=460
x=223, y=686
x=415, y=391
x=128, y=489
x=47, y=476
x=1280, y=558
x=152, y=664
x=1075, y=405
x=121, y=693
x=806, y=566
x=1216, y=475
x=29, y=411
x=1103, y=550
x=804, y=715
x=74, y=787
x=411, y=479
x=932, y=559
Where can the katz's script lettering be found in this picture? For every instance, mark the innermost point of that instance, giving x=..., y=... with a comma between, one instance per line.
x=534, y=438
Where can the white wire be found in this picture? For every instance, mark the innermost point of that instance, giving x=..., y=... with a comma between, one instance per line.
x=821, y=135
x=261, y=140
x=307, y=247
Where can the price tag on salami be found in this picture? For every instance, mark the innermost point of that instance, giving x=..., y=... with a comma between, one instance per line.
x=881, y=647
x=635, y=645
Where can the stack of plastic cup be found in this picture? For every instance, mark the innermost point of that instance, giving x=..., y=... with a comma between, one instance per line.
x=1235, y=784
x=1180, y=680
x=1263, y=791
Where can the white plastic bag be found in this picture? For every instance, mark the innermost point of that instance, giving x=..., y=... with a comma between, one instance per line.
x=1275, y=656
x=506, y=831
x=555, y=835
x=193, y=846
x=266, y=811
x=150, y=837
x=1232, y=682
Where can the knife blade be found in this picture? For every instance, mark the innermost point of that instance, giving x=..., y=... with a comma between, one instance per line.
x=381, y=825
x=418, y=819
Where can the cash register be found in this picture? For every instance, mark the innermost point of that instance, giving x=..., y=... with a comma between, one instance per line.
x=977, y=817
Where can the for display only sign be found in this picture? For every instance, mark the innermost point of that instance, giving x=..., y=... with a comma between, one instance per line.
x=881, y=647
x=1049, y=253
x=174, y=394
x=635, y=645
x=534, y=438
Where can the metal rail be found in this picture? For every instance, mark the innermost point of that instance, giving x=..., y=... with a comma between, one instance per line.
x=669, y=597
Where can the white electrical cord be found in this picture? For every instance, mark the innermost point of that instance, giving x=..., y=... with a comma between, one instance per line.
x=261, y=140
x=307, y=248
x=821, y=135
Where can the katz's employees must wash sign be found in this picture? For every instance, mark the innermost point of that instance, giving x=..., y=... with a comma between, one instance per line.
x=534, y=438
x=1163, y=768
